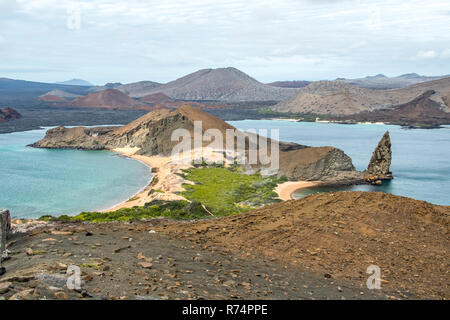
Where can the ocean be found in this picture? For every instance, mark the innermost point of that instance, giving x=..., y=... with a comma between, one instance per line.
x=36, y=182
x=420, y=157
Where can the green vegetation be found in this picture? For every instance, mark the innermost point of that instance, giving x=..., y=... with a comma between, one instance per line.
x=305, y=117
x=133, y=199
x=225, y=191
x=179, y=210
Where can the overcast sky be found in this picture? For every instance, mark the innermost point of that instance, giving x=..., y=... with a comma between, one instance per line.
x=127, y=41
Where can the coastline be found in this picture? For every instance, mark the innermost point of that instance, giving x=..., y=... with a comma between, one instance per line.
x=165, y=183
x=286, y=189
x=140, y=191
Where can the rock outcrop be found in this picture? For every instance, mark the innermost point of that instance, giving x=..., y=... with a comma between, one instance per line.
x=151, y=135
x=8, y=114
x=380, y=163
x=325, y=164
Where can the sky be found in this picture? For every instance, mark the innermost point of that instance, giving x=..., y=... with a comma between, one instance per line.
x=126, y=41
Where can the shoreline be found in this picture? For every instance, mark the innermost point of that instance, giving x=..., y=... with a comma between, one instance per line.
x=141, y=190
x=164, y=183
x=286, y=189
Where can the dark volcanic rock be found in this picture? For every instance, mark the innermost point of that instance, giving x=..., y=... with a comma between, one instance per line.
x=379, y=165
x=8, y=114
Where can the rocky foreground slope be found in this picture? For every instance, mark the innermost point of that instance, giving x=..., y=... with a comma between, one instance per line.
x=151, y=135
x=318, y=247
x=338, y=235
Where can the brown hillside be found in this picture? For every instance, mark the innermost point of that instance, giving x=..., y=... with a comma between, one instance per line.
x=422, y=110
x=108, y=99
x=339, y=235
x=340, y=98
x=156, y=98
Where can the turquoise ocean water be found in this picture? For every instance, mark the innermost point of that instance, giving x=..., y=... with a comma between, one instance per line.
x=34, y=182
x=421, y=158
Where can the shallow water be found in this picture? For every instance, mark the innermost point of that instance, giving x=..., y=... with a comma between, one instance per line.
x=35, y=182
x=420, y=163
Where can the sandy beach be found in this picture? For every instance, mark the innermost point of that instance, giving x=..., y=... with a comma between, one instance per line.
x=286, y=189
x=165, y=182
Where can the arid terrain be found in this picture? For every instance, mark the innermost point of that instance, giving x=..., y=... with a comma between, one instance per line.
x=340, y=98
x=420, y=112
x=315, y=248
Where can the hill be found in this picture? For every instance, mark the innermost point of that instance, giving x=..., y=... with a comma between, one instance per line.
x=289, y=84
x=339, y=235
x=340, y=98
x=109, y=85
x=138, y=89
x=223, y=84
x=420, y=112
x=11, y=89
x=157, y=98
x=76, y=82
x=107, y=99
x=53, y=99
x=8, y=114
x=382, y=82
x=61, y=94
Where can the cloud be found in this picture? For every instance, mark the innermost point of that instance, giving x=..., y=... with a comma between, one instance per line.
x=429, y=54
x=130, y=40
x=445, y=53
x=7, y=7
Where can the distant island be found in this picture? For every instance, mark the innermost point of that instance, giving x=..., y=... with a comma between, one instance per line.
x=422, y=112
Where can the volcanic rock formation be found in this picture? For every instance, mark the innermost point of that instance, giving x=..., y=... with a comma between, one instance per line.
x=380, y=163
x=152, y=135
x=222, y=84
x=108, y=99
x=8, y=114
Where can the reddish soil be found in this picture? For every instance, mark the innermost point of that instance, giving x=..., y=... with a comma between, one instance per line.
x=53, y=99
